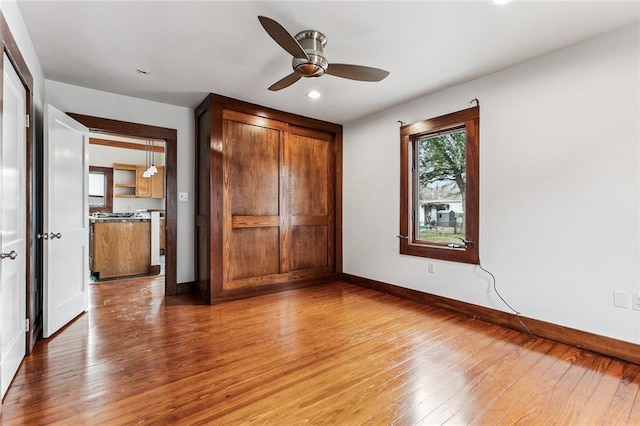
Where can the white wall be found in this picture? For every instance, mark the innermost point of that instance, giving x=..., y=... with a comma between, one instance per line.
x=558, y=134
x=81, y=100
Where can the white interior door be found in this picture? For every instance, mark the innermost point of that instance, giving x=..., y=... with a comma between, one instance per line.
x=65, y=220
x=12, y=226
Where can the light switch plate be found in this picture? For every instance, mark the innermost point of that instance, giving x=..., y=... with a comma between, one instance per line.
x=183, y=196
x=621, y=299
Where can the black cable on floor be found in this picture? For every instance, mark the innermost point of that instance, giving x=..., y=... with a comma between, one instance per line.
x=495, y=288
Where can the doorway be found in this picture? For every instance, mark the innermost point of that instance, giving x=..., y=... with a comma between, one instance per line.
x=126, y=207
x=108, y=126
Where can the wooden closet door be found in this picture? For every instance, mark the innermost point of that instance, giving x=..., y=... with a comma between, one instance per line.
x=309, y=159
x=252, y=212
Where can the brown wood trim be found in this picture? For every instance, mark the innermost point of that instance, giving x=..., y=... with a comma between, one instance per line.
x=122, y=166
x=311, y=133
x=10, y=47
x=291, y=276
x=216, y=200
x=292, y=119
x=104, y=125
x=202, y=200
x=309, y=220
x=285, y=195
x=252, y=120
x=12, y=50
x=254, y=221
x=125, y=145
x=186, y=287
x=242, y=293
x=582, y=339
x=448, y=120
x=338, y=204
x=170, y=136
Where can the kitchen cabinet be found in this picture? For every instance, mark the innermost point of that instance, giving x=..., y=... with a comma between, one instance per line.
x=120, y=248
x=151, y=187
x=268, y=200
x=137, y=186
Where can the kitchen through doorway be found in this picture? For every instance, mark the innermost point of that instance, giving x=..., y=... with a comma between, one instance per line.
x=126, y=207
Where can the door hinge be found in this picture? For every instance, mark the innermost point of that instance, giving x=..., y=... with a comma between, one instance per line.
x=26, y=121
x=26, y=324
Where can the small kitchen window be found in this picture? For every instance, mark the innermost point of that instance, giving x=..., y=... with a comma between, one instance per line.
x=100, y=189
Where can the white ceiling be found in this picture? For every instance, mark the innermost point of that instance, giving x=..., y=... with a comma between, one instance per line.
x=192, y=48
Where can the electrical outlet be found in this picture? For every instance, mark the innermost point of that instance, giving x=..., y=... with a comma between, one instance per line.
x=431, y=268
x=636, y=301
x=183, y=196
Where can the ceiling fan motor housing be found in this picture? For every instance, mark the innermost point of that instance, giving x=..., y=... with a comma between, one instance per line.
x=313, y=43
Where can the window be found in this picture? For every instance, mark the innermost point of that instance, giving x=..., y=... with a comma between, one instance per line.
x=100, y=189
x=439, y=193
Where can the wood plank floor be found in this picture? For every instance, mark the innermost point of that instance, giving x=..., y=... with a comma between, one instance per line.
x=335, y=354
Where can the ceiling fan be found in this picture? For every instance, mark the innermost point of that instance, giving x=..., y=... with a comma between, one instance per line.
x=308, y=57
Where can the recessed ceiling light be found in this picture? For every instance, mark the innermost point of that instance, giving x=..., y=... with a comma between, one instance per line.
x=498, y=2
x=314, y=94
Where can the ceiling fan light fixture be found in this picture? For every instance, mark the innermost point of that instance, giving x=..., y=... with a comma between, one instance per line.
x=314, y=94
x=307, y=51
x=315, y=66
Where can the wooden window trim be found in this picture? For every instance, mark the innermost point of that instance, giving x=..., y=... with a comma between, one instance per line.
x=108, y=196
x=470, y=118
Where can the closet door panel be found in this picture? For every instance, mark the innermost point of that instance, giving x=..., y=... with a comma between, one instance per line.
x=309, y=247
x=253, y=161
x=252, y=237
x=254, y=252
x=309, y=159
x=308, y=176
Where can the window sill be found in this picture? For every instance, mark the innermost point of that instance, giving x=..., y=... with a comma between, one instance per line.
x=454, y=254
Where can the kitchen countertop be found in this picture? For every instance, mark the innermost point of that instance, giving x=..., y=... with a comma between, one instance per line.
x=118, y=219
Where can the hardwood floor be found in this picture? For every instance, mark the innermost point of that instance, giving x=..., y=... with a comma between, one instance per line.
x=334, y=354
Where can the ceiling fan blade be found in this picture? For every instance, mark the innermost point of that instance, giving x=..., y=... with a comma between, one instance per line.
x=357, y=72
x=282, y=37
x=285, y=82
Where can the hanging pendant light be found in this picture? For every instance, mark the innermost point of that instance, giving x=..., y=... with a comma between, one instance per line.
x=153, y=169
x=147, y=173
